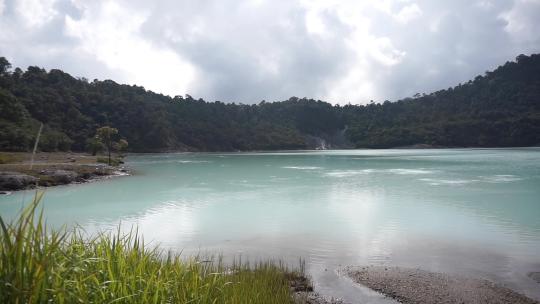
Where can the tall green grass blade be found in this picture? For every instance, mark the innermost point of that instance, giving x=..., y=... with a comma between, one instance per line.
x=38, y=265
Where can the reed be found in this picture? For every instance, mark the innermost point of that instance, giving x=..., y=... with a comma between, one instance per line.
x=39, y=265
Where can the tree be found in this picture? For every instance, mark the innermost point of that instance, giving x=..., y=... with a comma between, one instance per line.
x=121, y=145
x=94, y=145
x=501, y=108
x=106, y=134
x=52, y=140
x=4, y=66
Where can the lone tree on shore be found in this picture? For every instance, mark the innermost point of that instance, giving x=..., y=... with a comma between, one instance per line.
x=105, y=137
x=94, y=145
x=105, y=134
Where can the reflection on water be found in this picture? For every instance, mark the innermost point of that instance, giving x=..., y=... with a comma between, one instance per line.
x=472, y=211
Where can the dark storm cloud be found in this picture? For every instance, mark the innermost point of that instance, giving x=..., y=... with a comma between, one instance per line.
x=246, y=51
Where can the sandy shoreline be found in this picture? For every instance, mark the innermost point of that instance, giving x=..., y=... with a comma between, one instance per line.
x=415, y=286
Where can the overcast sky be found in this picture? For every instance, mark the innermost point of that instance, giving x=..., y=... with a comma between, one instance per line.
x=246, y=51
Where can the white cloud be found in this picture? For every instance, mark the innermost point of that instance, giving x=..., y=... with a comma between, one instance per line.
x=36, y=12
x=315, y=24
x=485, y=4
x=384, y=52
x=249, y=50
x=409, y=13
x=368, y=51
x=523, y=20
x=111, y=34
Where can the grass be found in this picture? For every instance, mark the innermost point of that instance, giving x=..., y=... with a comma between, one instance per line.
x=115, y=161
x=38, y=265
x=71, y=158
x=8, y=158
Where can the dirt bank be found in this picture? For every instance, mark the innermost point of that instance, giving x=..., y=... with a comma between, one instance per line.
x=51, y=169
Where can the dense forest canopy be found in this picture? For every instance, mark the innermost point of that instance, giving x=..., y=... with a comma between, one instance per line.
x=500, y=108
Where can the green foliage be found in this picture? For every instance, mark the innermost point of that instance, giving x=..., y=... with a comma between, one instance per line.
x=4, y=65
x=501, y=108
x=111, y=162
x=51, y=141
x=15, y=123
x=122, y=145
x=106, y=136
x=38, y=265
x=94, y=145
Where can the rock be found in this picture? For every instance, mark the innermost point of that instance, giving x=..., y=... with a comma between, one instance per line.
x=535, y=276
x=314, y=298
x=301, y=283
x=86, y=176
x=16, y=181
x=61, y=177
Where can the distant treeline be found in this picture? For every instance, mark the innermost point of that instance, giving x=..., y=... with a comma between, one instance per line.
x=499, y=109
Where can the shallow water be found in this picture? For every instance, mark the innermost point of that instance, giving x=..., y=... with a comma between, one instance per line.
x=468, y=211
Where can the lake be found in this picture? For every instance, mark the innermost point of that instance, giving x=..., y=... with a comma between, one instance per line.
x=466, y=211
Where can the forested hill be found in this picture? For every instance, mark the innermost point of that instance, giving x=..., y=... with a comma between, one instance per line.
x=501, y=108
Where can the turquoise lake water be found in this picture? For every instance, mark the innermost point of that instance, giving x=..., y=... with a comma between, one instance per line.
x=467, y=211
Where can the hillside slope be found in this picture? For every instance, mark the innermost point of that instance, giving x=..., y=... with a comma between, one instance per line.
x=501, y=108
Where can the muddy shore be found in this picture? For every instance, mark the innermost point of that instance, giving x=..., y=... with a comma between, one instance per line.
x=415, y=286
